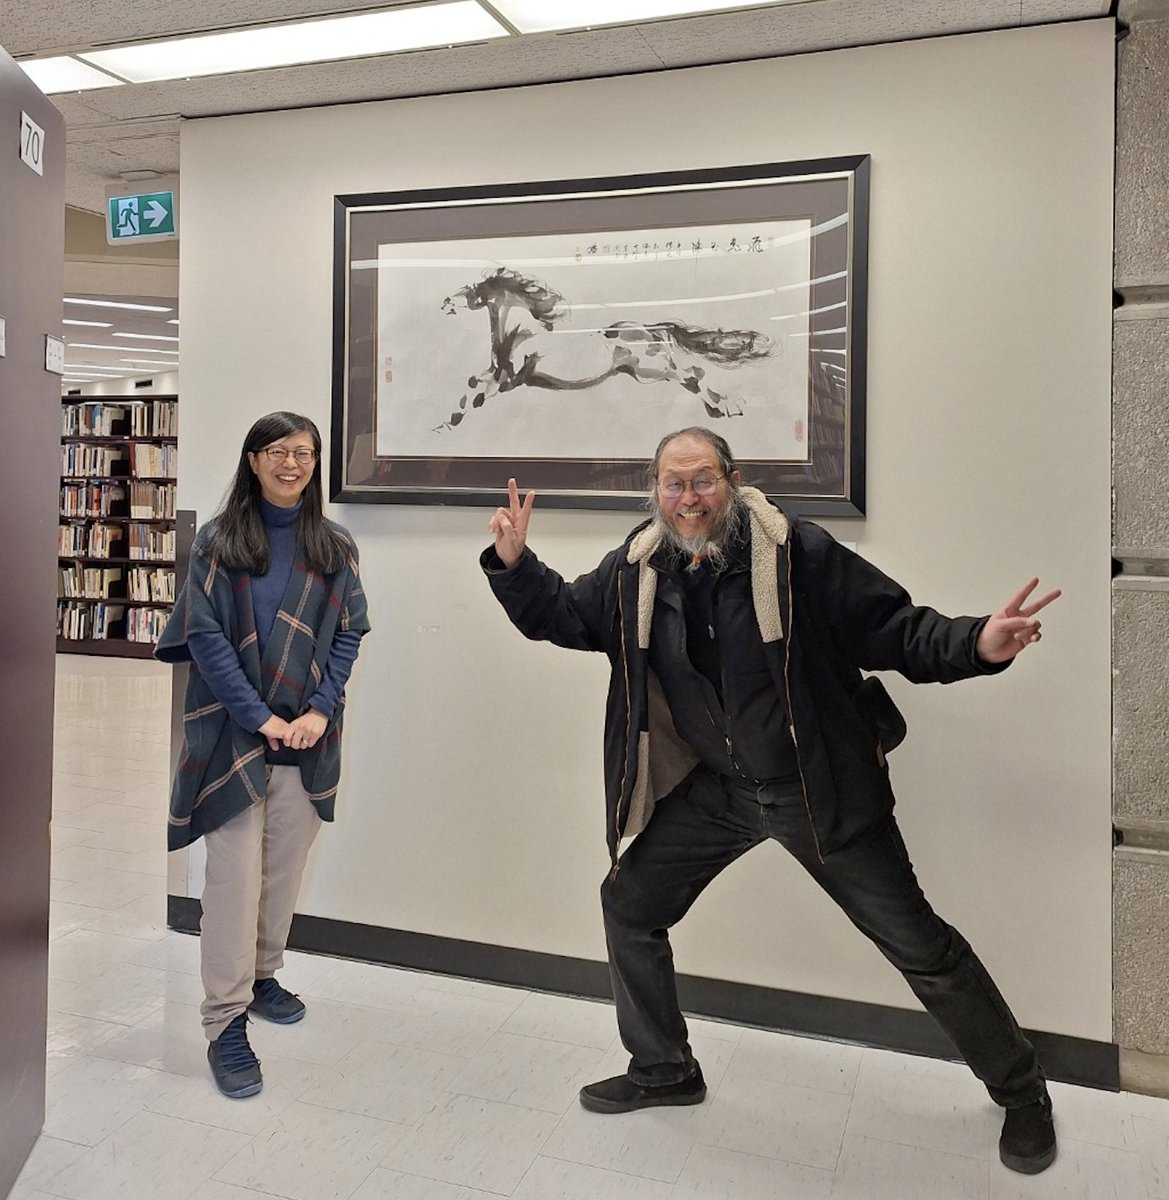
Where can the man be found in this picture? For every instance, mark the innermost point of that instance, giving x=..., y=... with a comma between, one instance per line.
x=737, y=712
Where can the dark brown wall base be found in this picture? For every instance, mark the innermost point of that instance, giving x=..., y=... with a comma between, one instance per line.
x=1067, y=1059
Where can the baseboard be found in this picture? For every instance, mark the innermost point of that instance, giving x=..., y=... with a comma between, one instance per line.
x=1065, y=1058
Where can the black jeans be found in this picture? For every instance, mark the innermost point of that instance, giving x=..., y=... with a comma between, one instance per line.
x=704, y=825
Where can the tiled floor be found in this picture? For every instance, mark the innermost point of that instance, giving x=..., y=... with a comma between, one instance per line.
x=403, y=1086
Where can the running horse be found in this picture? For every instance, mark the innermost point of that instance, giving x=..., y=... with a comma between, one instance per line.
x=520, y=309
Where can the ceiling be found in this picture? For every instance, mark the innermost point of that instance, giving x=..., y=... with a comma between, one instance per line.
x=130, y=343
x=136, y=127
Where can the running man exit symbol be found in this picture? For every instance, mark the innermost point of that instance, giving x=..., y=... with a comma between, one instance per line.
x=137, y=218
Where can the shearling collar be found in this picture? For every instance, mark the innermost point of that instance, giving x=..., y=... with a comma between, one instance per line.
x=769, y=529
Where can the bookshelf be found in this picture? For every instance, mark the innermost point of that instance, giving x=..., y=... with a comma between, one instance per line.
x=116, y=525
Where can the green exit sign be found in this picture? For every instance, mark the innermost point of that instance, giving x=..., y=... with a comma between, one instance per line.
x=147, y=216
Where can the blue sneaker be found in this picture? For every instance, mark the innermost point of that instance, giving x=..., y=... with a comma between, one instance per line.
x=274, y=1003
x=233, y=1063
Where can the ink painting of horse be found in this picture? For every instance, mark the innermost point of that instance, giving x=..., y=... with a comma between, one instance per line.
x=519, y=309
x=530, y=345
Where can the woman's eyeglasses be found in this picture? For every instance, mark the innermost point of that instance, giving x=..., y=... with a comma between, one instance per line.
x=277, y=454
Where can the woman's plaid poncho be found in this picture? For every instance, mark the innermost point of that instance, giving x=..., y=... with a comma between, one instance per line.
x=221, y=769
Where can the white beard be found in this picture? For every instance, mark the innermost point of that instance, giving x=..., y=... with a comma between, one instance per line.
x=710, y=547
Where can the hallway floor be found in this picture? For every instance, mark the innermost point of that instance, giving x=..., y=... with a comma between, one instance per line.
x=405, y=1086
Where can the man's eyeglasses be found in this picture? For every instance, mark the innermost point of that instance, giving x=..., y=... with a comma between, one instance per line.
x=304, y=456
x=703, y=485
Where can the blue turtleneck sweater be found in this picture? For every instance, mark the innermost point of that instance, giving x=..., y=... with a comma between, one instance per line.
x=217, y=659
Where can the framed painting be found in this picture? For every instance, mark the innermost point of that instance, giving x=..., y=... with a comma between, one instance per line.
x=555, y=331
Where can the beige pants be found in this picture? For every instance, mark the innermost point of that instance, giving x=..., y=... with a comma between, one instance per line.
x=254, y=867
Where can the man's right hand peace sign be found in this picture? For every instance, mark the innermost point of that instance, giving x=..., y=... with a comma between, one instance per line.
x=510, y=525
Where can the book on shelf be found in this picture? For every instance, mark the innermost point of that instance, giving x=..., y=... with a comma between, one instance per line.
x=146, y=624
x=78, y=581
x=81, y=458
x=155, y=584
x=93, y=499
x=119, y=460
x=95, y=418
x=150, y=542
x=154, y=460
x=137, y=418
x=89, y=622
x=152, y=500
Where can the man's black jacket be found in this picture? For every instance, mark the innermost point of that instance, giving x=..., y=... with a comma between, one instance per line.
x=838, y=615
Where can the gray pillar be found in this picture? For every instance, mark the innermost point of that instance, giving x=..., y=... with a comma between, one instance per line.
x=1140, y=538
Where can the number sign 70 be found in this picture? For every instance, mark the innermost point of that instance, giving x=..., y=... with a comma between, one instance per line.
x=32, y=143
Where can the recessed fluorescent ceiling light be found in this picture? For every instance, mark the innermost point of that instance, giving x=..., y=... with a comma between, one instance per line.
x=151, y=337
x=362, y=35
x=91, y=324
x=538, y=16
x=118, y=304
x=147, y=362
x=119, y=349
x=66, y=74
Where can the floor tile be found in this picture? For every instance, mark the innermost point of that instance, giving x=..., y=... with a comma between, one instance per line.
x=531, y=1072
x=69, y=1036
x=384, y=1184
x=714, y=1174
x=214, y=1190
x=78, y=862
x=93, y=1097
x=326, y=1034
x=144, y=917
x=125, y=994
x=64, y=918
x=168, y=1039
x=754, y=1115
x=653, y=1143
x=107, y=889
x=49, y=1157
x=311, y=1153
x=872, y=1170
x=1081, y=1171
x=448, y=1022
x=553, y=1179
x=128, y=1166
x=950, y=1112
x=64, y=838
x=84, y=954
x=801, y=1062
x=361, y=983
x=1092, y=1115
x=132, y=837
x=1151, y=1140
x=174, y=952
x=391, y=1083
x=195, y=1097
x=478, y=1143
x=563, y=1019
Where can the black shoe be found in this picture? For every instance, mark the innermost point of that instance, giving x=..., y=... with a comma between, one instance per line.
x=620, y=1094
x=1027, y=1143
x=274, y=1003
x=234, y=1065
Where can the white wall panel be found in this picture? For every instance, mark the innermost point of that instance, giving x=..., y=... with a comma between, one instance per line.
x=472, y=802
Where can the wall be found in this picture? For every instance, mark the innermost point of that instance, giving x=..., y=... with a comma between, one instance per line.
x=162, y=383
x=472, y=800
x=32, y=253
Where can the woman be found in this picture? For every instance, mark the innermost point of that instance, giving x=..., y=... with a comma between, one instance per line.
x=271, y=617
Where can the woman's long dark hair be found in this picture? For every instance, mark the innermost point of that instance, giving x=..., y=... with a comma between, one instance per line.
x=238, y=537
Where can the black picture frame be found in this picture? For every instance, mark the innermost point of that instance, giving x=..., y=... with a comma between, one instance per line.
x=381, y=244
